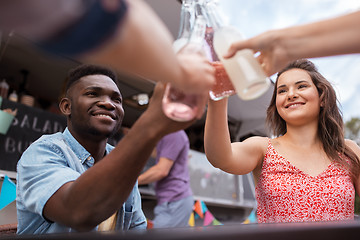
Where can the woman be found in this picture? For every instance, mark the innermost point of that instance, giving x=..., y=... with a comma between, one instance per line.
x=308, y=172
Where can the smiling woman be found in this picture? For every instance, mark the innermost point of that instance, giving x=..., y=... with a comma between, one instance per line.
x=308, y=169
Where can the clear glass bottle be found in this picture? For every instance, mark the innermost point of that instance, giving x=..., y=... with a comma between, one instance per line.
x=177, y=104
x=244, y=71
x=4, y=89
x=223, y=86
x=13, y=96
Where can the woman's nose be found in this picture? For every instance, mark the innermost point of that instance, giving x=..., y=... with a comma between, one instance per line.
x=292, y=94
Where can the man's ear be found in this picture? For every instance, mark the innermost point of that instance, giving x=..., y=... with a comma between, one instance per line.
x=65, y=106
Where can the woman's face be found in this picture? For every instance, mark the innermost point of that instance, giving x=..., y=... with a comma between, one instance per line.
x=297, y=98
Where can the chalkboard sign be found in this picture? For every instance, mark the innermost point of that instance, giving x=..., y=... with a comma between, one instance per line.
x=28, y=125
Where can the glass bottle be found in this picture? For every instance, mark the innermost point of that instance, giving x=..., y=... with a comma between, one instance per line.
x=177, y=104
x=187, y=18
x=13, y=96
x=223, y=86
x=4, y=89
x=244, y=71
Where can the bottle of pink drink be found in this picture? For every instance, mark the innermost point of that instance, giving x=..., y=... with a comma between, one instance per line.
x=245, y=73
x=178, y=105
x=223, y=86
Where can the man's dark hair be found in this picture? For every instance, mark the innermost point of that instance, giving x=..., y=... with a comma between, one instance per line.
x=85, y=70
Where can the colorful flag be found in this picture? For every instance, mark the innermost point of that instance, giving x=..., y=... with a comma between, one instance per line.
x=192, y=220
x=8, y=192
x=208, y=219
x=198, y=209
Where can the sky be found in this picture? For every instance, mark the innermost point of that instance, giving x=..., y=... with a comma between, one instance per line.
x=256, y=16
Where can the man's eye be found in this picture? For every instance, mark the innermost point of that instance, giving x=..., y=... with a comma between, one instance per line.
x=91, y=93
x=118, y=100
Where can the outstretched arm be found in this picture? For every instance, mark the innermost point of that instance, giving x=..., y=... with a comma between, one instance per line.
x=143, y=46
x=335, y=36
x=126, y=35
x=236, y=158
x=101, y=190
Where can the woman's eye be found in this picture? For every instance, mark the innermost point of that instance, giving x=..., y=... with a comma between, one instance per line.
x=302, y=86
x=281, y=91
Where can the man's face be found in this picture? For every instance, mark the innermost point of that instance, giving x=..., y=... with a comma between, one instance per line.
x=95, y=106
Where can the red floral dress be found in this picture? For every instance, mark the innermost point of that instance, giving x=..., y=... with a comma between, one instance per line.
x=286, y=194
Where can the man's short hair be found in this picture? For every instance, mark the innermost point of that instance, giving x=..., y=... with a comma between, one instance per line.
x=86, y=70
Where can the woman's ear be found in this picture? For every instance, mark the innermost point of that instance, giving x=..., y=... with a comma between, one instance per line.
x=65, y=106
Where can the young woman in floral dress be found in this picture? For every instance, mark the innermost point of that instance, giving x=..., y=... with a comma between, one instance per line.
x=308, y=171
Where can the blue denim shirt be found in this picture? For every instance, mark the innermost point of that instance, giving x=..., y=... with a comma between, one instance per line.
x=44, y=167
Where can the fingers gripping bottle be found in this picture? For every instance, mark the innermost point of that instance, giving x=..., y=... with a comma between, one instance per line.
x=177, y=104
x=245, y=72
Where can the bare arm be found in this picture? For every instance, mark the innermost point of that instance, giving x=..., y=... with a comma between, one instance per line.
x=335, y=36
x=236, y=158
x=102, y=189
x=140, y=45
x=143, y=45
x=156, y=172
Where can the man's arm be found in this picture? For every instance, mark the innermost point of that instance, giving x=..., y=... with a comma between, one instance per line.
x=138, y=44
x=142, y=44
x=102, y=189
x=156, y=172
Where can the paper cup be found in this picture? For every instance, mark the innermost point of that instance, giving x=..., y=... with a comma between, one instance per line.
x=5, y=121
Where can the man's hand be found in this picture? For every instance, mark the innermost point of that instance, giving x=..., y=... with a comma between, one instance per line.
x=198, y=75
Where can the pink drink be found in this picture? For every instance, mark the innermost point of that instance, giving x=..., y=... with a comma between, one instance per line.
x=223, y=86
x=179, y=106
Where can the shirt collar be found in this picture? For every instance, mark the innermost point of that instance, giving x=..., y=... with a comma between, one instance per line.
x=79, y=150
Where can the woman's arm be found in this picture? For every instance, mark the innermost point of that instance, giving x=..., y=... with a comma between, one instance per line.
x=335, y=36
x=236, y=158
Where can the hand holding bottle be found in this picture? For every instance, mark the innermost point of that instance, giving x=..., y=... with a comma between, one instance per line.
x=184, y=105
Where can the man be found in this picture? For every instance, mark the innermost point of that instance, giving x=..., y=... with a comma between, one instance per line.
x=73, y=181
x=172, y=187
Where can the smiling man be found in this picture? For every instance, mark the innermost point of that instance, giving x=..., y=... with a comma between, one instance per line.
x=75, y=180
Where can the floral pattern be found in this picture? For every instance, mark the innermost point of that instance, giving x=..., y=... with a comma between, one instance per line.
x=286, y=194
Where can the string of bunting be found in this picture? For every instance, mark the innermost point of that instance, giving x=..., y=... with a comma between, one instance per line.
x=201, y=211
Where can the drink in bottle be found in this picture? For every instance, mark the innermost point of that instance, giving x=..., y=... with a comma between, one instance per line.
x=223, y=86
x=178, y=105
x=243, y=69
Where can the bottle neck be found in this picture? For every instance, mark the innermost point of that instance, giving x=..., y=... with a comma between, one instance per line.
x=214, y=18
x=198, y=33
x=186, y=19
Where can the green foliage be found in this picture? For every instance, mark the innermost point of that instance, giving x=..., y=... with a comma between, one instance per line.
x=352, y=129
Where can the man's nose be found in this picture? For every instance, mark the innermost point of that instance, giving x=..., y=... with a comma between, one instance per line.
x=106, y=102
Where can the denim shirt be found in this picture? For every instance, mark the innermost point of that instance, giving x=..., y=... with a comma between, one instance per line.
x=44, y=167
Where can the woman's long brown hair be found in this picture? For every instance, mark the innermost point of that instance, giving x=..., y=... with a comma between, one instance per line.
x=330, y=127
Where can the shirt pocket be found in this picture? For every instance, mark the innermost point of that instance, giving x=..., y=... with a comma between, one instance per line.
x=128, y=214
